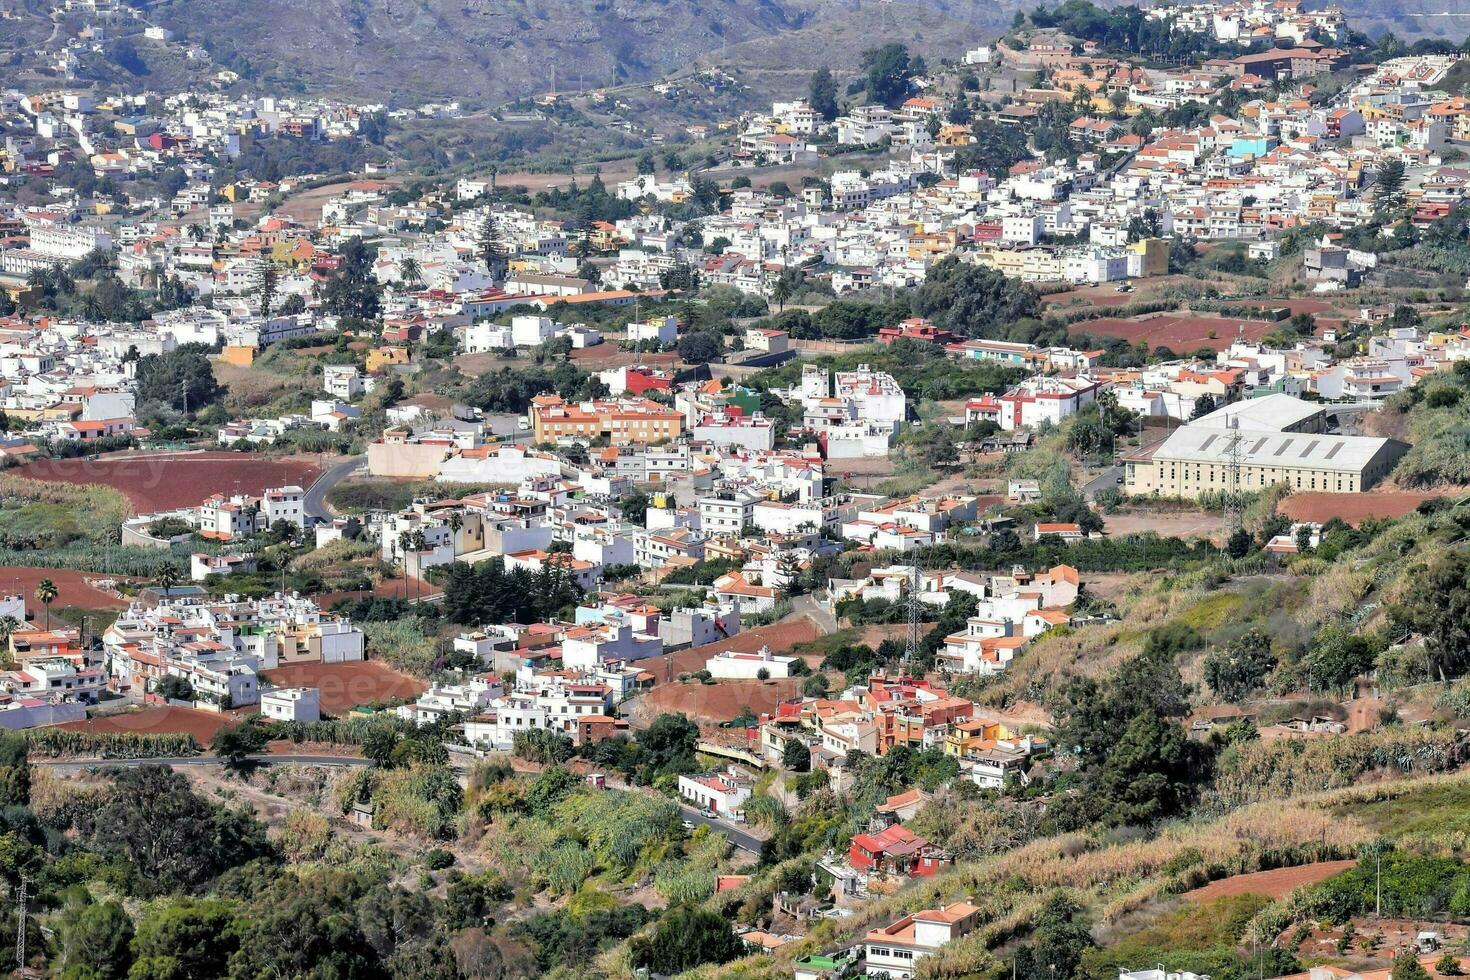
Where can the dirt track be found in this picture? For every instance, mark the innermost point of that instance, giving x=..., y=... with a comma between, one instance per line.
x=1274, y=884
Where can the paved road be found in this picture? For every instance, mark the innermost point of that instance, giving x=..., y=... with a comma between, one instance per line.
x=1108, y=478
x=315, y=505
x=742, y=839
x=204, y=760
x=807, y=605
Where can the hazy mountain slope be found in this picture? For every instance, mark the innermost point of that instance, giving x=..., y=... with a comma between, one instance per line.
x=482, y=50
x=1410, y=19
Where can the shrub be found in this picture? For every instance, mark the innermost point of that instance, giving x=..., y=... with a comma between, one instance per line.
x=437, y=859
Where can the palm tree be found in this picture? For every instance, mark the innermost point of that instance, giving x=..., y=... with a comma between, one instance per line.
x=46, y=593
x=781, y=292
x=167, y=577
x=8, y=625
x=410, y=272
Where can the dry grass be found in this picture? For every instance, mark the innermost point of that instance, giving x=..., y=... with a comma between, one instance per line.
x=1112, y=876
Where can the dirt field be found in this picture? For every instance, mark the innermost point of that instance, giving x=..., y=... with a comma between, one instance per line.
x=1168, y=524
x=1352, y=507
x=721, y=701
x=1294, y=305
x=1181, y=334
x=344, y=686
x=1107, y=294
x=604, y=357
x=388, y=588
x=780, y=637
x=165, y=481
x=75, y=589
x=611, y=172
x=717, y=702
x=155, y=721
x=1273, y=884
x=306, y=206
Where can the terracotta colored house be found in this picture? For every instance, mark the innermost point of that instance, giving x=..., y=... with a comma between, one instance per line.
x=897, y=850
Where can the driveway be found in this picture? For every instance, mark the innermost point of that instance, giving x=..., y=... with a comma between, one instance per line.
x=808, y=606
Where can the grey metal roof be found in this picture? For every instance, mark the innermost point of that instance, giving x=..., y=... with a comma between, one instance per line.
x=1264, y=447
x=1271, y=413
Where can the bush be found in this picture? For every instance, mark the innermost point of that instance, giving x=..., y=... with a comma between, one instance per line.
x=437, y=859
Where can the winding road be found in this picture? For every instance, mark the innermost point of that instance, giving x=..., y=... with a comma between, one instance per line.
x=315, y=505
x=740, y=838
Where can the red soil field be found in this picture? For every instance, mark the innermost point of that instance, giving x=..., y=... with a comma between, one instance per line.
x=717, y=702
x=1275, y=884
x=344, y=686
x=1354, y=508
x=72, y=586
x=156, y=721
x=1178, y=333
x=389, y=588
x=1294, y=305
x=780, y=637
x=165, y=481
x=723, y=700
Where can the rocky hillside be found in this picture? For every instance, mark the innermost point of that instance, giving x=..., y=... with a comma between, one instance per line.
x=484, y=52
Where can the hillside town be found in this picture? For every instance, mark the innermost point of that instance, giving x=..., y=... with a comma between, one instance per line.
x=985, y=512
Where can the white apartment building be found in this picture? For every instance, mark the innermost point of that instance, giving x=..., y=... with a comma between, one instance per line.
x=54, y=679
x=663, y=331
x=723, y=793
x=1041, y=400
x=342, y=381
x=728, y=511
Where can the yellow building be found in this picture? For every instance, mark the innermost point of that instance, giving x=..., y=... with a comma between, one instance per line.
x=380, y=358
x=1155, y=254
x=1197, y=461
x=976, y=735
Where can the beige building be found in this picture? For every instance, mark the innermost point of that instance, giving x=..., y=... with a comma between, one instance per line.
x=1196, y=461
x=398, y=454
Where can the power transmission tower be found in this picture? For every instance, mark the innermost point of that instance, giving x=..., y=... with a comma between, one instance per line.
x=915, y=610
x=1234, y=451
x=20, y=931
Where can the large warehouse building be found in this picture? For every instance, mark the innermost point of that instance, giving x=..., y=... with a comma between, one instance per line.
x=1274, y=443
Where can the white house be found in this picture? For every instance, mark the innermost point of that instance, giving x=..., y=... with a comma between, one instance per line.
x=893, y=949
x=292, y=704
x=531, y=331
x=724, y=793
x=661, y=330
x=342, y=381
x=734, y=665
x=202, y=565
